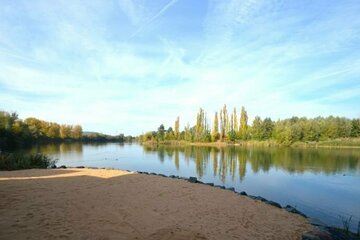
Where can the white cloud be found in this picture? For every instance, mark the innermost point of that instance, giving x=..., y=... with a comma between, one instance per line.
x=79, y=69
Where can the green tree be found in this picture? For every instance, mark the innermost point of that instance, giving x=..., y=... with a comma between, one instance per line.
x=312, y=130
x=235, y=121
x=267, y=128
x=54, y=130
x=202, y=132
x=76, y=132
x=224, y=122
x=188, y=136
x=282, y=132
x=215, y=135
x=243, y=131
x=34, y=127
x=177, y=128
x=256, y=129
x=65, y=131
x=355, y=128
x=161, y=133
x=169, y=135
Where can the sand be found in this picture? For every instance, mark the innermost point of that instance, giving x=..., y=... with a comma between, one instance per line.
x=111, y=204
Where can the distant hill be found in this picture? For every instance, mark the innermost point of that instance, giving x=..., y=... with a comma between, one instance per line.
x=87, y=133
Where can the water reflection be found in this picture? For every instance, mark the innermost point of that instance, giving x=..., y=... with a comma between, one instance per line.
x=58, y=149
x=227, y=161
x=68, y=150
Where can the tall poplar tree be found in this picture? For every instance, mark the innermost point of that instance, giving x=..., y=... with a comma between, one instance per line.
x=236, y=127
x=226, y=120
x=201, y=126
x=243, y=131
x=222, y=129
x=177, y=127
x=215, y=132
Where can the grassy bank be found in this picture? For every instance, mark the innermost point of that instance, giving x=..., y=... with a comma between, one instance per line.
x=17, y=161
x=252, y=143
x=336, y=143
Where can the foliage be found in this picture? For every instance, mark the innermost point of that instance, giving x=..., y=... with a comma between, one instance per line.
x=14, y=161
x=99, y=137
x=288, y=131
x=177, y=128
x=215, y=135
x=243, y=131
x=15, y=132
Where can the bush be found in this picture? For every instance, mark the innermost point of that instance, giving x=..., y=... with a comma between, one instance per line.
x=16, y=161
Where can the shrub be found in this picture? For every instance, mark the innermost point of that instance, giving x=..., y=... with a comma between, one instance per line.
x=17, y=161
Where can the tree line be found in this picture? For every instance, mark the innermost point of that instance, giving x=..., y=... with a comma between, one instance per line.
x=231, y=127
x=15, y=132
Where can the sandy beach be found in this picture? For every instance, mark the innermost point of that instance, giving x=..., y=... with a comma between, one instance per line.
x=112, y=204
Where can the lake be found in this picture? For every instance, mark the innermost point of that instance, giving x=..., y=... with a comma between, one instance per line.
x=322, y=183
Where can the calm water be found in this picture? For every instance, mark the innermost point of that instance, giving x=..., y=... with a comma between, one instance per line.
x=322, y=183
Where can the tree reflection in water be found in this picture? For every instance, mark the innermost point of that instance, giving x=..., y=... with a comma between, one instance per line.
x=227, y=161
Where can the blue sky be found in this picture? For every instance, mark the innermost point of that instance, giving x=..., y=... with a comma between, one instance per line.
x=126, y=66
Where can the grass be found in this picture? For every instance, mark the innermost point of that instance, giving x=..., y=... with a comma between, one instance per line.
x=17, y=161
x=346, y=223
x=334, y=143
x=350, y=142
x=249, y=143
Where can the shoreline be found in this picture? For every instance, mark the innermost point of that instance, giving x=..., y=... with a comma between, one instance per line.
x=247, y=144
x=134, y=206
x=310, y=229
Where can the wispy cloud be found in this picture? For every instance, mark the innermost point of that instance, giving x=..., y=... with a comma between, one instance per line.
x=74, y=62
x=153, y=18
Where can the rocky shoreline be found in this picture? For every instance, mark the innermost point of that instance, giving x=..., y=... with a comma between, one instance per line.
x=321, y=231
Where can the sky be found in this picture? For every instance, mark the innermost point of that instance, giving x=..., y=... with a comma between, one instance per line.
x=127, y=66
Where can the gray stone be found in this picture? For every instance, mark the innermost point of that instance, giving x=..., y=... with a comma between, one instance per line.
x=62, y=166
x=243, y=193
x=294, y=210
x=210, y=184
x=252, y=197
x=275, y=204
x=231, y=189
x=261, y=199
x=80, y=167
x=192, y=179
x=309, y=236
x=317, y=234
